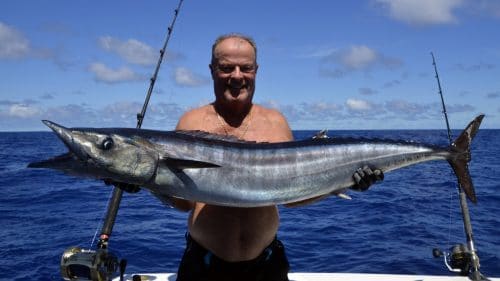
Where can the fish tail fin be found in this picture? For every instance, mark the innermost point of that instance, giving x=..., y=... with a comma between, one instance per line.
x=460, y=158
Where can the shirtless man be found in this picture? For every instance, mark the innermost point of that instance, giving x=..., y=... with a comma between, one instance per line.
x=227, y=243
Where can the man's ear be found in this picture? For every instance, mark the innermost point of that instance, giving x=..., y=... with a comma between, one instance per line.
x=212, y=70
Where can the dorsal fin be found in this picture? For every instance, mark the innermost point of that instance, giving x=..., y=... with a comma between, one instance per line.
x=211, y=136
x=323, y=134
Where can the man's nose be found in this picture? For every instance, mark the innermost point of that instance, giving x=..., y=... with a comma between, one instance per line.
x=237, y=74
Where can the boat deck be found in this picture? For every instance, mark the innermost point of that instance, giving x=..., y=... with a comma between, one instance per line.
x=324, y=277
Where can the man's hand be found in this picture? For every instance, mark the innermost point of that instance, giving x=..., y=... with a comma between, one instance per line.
x=365, y=177
x=127, y=187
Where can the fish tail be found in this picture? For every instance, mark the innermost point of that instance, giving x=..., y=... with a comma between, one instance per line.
x=461, y=156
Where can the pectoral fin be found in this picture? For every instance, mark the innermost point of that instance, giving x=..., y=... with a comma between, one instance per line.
x=177, y=163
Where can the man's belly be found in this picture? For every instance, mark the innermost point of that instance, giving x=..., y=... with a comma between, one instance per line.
x=234, y=234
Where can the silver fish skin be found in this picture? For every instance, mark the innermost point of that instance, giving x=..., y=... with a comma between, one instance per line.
x=209, y=168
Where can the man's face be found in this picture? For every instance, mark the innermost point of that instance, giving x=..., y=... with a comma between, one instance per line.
x=233, y=71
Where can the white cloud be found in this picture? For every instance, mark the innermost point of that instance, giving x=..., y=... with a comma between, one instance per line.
x=320, y=110
x=358, y=105
x=422, y=12
x=456, y=108
x=108, y=75
x=356, y=113
x=184, y=77
x=13, y=44
x=318, y=52
x=358, y=57
x=133, y=51
x=355, y=58
x=312, y=112
x=24, y=116
x=120, y=112
x=23, y=111
x=406, y=108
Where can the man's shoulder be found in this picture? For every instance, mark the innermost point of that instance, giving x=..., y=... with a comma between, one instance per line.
x=268, y=112
x=274, y=123
x=190, y=120
x=273, y=116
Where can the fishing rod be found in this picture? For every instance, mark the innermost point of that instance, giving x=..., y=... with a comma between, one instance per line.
x=117, y=192
x=463, y=259
x=101, y=264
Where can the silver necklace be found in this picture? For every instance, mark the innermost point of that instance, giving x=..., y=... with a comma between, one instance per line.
x=223, y=123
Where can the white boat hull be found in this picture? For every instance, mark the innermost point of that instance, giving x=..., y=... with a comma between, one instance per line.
x=299, y=276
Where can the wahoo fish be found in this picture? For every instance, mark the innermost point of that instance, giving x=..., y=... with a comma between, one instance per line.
x=225, y=171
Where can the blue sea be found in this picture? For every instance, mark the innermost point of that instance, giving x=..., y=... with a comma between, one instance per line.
x=391, y=228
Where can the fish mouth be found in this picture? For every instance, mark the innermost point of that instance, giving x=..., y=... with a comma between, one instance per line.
x=68, y=138
x=76, y=161
x=70, y=164
x=57, y=162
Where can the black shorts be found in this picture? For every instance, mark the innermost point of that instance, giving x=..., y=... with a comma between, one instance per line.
x=199, y=264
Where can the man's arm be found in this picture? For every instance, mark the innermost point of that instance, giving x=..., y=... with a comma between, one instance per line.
x=363, y=177
x=189, y=121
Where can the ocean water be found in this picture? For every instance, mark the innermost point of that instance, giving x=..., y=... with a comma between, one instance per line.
x=391, y=228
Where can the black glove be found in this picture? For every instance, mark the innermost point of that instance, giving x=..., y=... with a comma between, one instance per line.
x=127, y=187
x=365, y=177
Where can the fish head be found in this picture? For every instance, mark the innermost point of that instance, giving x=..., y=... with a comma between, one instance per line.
x=108, y=153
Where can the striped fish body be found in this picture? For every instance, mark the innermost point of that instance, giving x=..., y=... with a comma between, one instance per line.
x=252, y=175
x=209, y=168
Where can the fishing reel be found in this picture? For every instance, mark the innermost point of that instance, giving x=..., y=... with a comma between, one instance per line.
x=101, y=265
x=458, y=259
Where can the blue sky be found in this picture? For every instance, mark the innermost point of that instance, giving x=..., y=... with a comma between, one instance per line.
x=361, y=64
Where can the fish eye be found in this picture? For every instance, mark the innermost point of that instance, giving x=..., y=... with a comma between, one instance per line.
x=107, y=143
